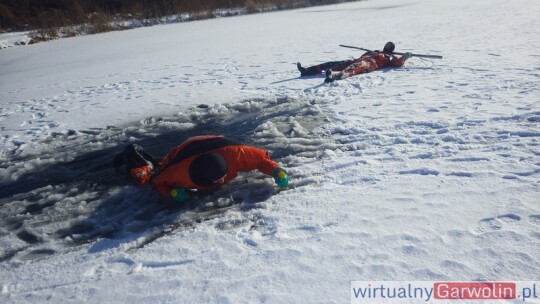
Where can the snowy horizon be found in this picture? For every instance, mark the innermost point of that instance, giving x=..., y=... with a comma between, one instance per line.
x=423, y=173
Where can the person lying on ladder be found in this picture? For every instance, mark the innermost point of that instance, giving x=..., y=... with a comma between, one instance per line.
x=368, y=62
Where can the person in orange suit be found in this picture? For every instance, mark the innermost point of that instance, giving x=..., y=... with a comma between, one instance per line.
x=201, y=163
x=368, y=62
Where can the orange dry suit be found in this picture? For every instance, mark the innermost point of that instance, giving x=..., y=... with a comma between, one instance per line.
x=174, y=168
x=371, y=61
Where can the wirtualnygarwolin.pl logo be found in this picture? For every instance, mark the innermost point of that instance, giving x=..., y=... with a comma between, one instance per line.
x=445, y=292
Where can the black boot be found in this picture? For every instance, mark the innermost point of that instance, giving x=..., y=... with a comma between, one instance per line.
x=329, y=76
x=303, y=71
x=312, y=70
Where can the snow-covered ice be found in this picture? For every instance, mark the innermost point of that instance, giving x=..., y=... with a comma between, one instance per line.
x=426, y=172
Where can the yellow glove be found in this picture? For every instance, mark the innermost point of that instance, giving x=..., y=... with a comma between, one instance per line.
x=281, y=177
x=178, y=195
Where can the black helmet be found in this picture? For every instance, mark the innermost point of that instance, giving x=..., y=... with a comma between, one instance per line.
x=205, y=169
x=389, y=47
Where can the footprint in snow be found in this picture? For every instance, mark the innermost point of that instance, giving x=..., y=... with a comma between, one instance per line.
x=489, y=224
x=37, y=254
x=535, y=219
